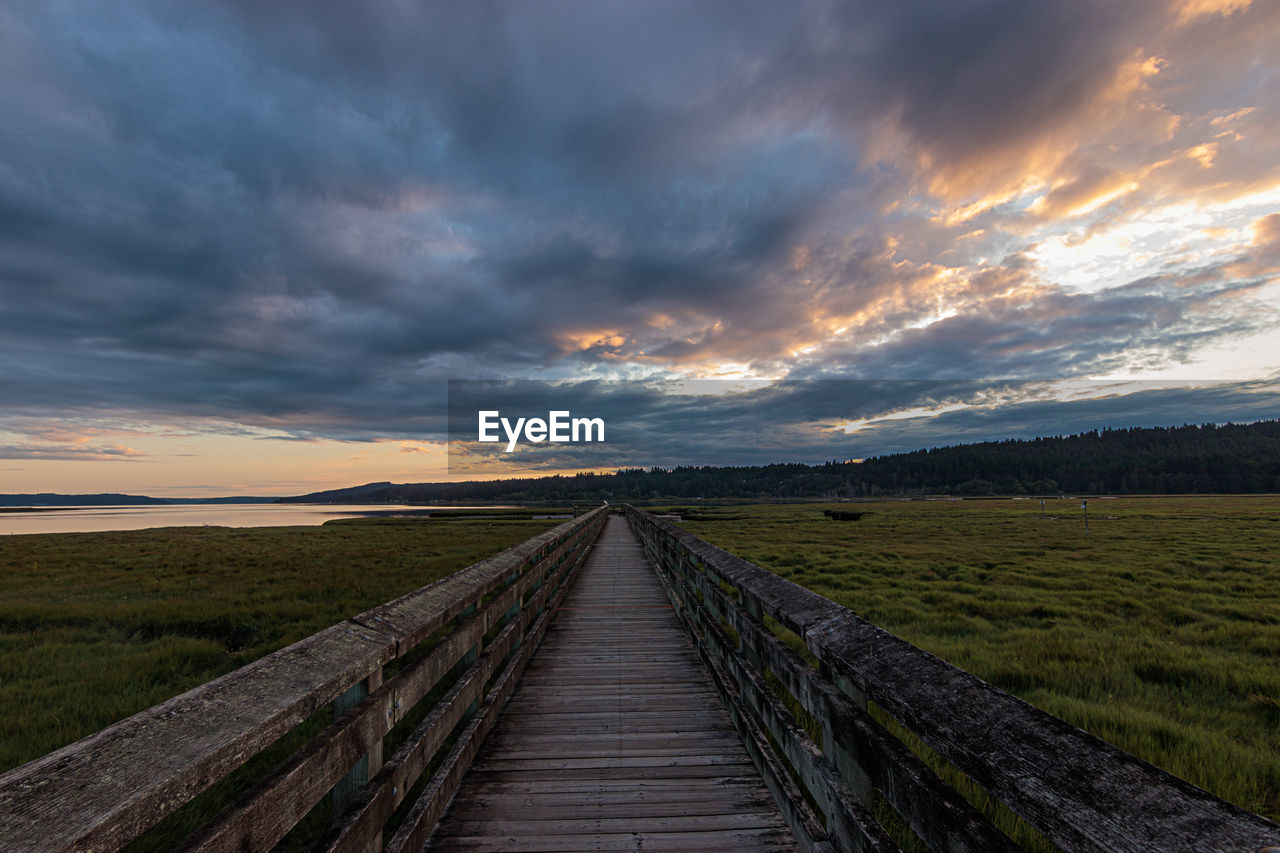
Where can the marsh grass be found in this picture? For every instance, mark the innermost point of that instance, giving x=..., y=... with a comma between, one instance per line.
x=95, y=627
x=1157, y=630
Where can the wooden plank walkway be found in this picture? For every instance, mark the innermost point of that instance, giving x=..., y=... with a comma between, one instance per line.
x=614, y=738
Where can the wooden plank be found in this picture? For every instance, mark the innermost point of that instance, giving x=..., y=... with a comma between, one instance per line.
x=109, y=787
x=597, y=798
x=568, y=750
x=639, y=715
x=641, y=653
x=606, y=788
x=653, y=722
x=850, y=824
x=362, y=827
x=416, y=829
x=614, y=734
x=592, y=808
x=653, y=842
x=607, y=671
x=608, y=667
x=744, y=770
x=938, y=814
x=1079, y=791
x=644, y=700
x=804, y=823
x=554, y=762
x=273, y=806
x=597, y=738
x=635, y=824
x=649, y=721
x=601, y=737
x=635, y=692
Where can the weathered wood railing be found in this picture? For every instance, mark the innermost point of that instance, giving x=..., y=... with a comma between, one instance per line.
x=1078, y=791
x=106, y=789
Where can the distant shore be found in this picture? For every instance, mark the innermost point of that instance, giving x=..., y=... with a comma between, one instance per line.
x=42, y=508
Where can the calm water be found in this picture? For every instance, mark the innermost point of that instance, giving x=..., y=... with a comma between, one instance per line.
x=86, y=519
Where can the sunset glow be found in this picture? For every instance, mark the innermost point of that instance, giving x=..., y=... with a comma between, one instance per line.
x=244, y=249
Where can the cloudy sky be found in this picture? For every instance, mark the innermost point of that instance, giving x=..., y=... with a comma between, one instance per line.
x=245, y=246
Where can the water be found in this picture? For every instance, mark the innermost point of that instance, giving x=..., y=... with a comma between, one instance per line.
x=88, y=519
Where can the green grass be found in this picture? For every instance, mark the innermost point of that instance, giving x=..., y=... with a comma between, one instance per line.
x=95, y=627
x=1158, y=630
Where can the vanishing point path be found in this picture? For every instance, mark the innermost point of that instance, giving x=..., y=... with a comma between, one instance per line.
x=614, y=738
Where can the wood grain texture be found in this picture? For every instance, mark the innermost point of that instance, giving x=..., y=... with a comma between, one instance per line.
x=857, y=748
x=104, y=790
x=361, y=828
x=614, y=738
x=1082, y=793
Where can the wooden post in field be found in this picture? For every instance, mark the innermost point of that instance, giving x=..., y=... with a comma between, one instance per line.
x=1084, y=505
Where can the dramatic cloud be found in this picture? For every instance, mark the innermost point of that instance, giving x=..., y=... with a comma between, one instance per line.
x=756, y=422
x=65, y=452
x=300, y=221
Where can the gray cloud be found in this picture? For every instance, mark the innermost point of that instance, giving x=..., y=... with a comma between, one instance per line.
x=70, y=452
x=309, y=218
x=666, y=424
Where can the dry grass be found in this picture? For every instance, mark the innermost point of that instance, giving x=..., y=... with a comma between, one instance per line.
x=1157, y=630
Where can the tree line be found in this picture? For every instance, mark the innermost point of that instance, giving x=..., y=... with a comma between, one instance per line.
x=1190, y=459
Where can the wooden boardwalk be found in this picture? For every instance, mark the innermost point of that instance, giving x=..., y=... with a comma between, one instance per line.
x=614, y=738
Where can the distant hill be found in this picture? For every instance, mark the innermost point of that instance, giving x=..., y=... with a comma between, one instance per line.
x=232, y=499
x=112, y=499
x=1233, y=458
x=368, y=493
x=50, y=499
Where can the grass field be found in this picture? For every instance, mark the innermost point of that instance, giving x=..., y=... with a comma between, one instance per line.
x=97, y=626
x=1158, y=630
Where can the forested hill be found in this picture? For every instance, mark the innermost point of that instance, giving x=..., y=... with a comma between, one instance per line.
x=52, y=499
x=1235, y=458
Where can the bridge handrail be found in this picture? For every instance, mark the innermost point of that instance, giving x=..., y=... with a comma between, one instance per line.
x=1078, y=791
x=108, y=788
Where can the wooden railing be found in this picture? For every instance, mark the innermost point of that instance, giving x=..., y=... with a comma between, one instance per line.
x=479, y=626
x=828, y=760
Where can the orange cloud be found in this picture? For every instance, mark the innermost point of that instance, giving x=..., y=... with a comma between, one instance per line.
x=1226, y=123
x=1023, y=164
x=79, y=452
x=1203, y=153
x=1083, y=194
x=1192, y=10
x=73, y=433
x=1262, y=258
x=595, y=339
x=1266, y=231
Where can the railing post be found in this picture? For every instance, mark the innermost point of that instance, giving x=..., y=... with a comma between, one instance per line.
x=469, y=657
x=752, y=608
x=513, y=612
x=350, y=786
x=845, y=762
x=97, y=794
x=533, y=591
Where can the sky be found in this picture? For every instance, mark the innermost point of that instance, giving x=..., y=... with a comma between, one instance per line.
x=245, y=247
